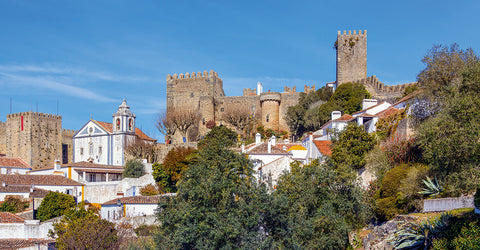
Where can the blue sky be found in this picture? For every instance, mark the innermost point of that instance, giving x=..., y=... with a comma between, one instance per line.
x=89, y=55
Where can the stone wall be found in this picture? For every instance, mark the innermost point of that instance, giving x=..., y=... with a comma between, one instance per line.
x=34, y=137
x=351, y=56
x=447, y=204
x=3, y=138
x=380, y=91
x=67, y=142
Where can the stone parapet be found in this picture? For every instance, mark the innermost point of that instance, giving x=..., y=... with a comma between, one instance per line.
x=270, y=96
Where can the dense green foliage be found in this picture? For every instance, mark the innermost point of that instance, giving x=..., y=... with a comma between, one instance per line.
x=219, y=135
x=314, y=109
x=315, y=208
x=53, y=205
x=463, y=232
x=13, y=204
x=351, y=146
x=218, y=205
x=174, y=165
x=134, y=168
x=83, y=229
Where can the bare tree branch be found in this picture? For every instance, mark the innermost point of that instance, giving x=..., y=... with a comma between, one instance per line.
x=183, y=119
x=166, y=125
x=237, y=116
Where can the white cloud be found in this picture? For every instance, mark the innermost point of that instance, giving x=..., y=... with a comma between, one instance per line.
x=49, y=83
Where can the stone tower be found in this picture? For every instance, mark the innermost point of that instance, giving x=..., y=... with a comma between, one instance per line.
x=270, y=104
x=351, y=56
x=194, y=92
x=34, y=137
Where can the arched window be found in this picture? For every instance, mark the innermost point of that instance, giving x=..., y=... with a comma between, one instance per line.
x=130, y=124
x=118, y=123
x=268, y=118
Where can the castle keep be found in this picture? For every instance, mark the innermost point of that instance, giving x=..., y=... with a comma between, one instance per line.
x=203, y=92
x=35, y=137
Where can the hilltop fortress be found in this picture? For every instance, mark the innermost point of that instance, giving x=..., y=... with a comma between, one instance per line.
x=203, y=92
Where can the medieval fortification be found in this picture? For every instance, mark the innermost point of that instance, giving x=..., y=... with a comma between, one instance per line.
x=204, y=91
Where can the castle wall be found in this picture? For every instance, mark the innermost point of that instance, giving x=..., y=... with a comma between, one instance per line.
x=383, y=92
x=34, y=137
x=287, y=100
x=67, y=143
x=351, y=56
x=3, y=137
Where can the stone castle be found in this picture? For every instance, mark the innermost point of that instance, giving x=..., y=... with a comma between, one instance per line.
x=203, y=92
x=36, y=138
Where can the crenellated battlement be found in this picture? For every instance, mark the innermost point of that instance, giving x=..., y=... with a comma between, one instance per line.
x=68, y=132
x=307, y=89
x=290, y=90
x=339, y=33
x=34, y=114
x=192, y=75
x=249, y=92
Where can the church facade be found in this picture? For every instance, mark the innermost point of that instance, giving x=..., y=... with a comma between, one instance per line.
x=104, y=143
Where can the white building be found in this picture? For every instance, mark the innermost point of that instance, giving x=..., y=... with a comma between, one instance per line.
x=19, y=233
x=103, y=142
x=134, y=206
x=13, y=166
x=55, y=183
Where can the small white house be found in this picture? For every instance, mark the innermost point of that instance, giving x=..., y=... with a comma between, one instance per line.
x=132, y=206
x=13, y=166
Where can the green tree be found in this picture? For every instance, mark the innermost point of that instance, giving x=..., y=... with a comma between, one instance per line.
x=53, y=205
x=219, y=136
x=351, y=146
x=349, y=96
x=13, y=204
x=218, y=205
x=317, y=207
x=133, y=169
x=174, y=165
x=83, y=229
x=295, y=120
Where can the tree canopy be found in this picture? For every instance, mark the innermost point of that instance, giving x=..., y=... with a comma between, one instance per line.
x=134, y=168
x=53, y=205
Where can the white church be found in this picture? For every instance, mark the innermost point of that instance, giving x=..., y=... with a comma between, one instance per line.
x=104, y=143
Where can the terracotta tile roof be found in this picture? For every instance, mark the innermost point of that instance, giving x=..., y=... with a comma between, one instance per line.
x=7, y=217
x=106, y=125
x=14, y=189
x=13, y=162
x=262, y=149
x=390, y=111
x=135, y=200
x=41, y=180
x=408, y=97
x=142, y=135
x=23, y=243
x=38, y=193
x=139, y=133
x=324, y=147
x=345, y=117
x=83, y=164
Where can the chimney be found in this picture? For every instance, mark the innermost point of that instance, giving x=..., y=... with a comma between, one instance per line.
x=274, y=140
x=56, y=165
x=243, y=148
x=336, y=115
x=259, y=88
x=269, y=147
x=3, y=184
x=367, y=103
x=258, y=138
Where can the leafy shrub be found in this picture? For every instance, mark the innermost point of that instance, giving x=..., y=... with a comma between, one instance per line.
x=53, y=205
x=388, y=202
x=400, y=151
x=149, y=190
x=146, y=230
x=133, y=169
x=13, y=204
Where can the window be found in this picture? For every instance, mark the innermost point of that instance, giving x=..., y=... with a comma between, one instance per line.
x=268, y=118
x=118, y=124
x=222, y=109
x=9, y=170
x=100, y=150
x=191, y=95
x=130, y=124
x=90, y=151
x=81, y=151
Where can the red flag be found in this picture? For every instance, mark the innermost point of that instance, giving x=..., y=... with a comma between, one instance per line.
x=21, y=118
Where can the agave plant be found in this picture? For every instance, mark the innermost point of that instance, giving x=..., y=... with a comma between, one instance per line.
x=419, y=236
x=433, y=189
